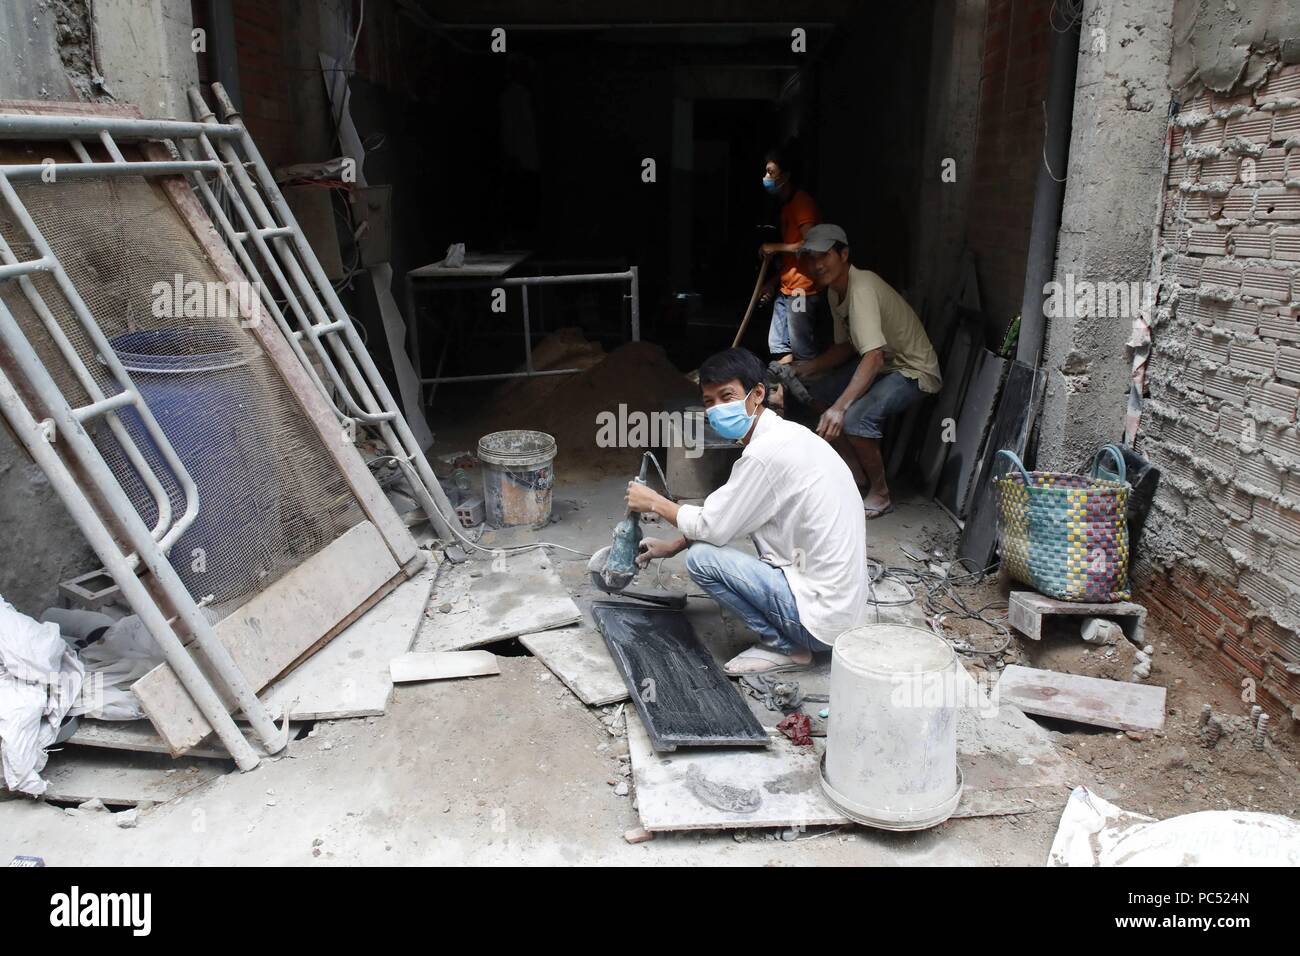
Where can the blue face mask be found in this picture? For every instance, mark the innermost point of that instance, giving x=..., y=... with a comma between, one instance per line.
x=730, y=420
x=770, y=184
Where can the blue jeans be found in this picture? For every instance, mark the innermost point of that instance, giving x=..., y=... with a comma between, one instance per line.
x=792, y=326
x=890, y=394
x=756, y=591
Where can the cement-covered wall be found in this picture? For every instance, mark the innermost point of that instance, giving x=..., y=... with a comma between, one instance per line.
x=1113, y=183
x=1221, y=562
x=130, y=51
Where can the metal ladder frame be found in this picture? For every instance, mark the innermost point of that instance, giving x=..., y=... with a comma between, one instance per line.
x=261, y=209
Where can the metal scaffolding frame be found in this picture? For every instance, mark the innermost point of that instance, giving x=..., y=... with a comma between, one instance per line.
x=80, y=474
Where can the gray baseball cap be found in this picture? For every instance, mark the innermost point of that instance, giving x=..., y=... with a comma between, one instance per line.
x=821, y=237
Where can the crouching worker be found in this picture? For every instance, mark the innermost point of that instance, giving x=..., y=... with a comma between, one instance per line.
x=796, y=497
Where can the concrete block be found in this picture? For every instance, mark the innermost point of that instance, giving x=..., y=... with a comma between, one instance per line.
x=1255, y=548
x=1286, y=244
x=1277, y=203
x=1207, y=240
x=1249, y=242
x=1254, y=127
x=1269, y=168
x=1240, y=318
x=1286, y=124
x=1276, y=398
x=1211, y=347
x=1283, y=443
x=1221, y=276
x=1239, y=203
x=1259, y=475
x=1265, y=283
x=1252, y=356
x=1219, y=169
x=1277, y=519
x=1186, y=270
x=1288, y=364
x=1279, y=323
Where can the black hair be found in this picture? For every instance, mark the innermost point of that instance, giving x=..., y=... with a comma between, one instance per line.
x=784, y=158
x=838, y=246
x=732, y=365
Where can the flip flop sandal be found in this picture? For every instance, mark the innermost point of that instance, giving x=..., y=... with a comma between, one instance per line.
x=878, y=512
x=781, y=663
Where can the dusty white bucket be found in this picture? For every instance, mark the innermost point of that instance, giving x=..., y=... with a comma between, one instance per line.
x=891, y=740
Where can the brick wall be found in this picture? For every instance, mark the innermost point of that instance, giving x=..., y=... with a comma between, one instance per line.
x=1008, y=149
x=1223, y=570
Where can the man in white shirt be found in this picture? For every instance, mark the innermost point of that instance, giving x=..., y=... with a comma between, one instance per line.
x=794, y=495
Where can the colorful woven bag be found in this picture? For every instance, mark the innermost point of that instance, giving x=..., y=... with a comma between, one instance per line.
x=1064, y=534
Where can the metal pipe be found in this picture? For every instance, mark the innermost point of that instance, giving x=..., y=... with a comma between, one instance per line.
x=590, y=278
x=1048, y=194
x=496, y=376
x=52, y=172
x=22, y=126
x=636, y=304
x=528, y=332
x=32, y=436
x=442, y=514
x=138, y=537
x=95, y=409
x=240, y=253
x=14, y=269
x=109, y=357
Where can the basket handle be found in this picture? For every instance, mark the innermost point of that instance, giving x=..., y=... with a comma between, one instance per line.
x=1115, y=453
x=1015, y=460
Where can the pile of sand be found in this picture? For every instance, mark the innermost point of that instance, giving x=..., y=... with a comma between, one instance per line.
x=637, y=375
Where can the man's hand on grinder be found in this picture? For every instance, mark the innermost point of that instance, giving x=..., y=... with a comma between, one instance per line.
x=643, y=499
x=652, y=548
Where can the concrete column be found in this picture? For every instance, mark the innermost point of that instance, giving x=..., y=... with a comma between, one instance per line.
x=145, y=51
x=1113, y=190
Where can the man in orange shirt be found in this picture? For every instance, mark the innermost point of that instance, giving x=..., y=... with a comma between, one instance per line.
x=790, y=336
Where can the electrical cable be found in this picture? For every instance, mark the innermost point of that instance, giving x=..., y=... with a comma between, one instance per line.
x=942, y=600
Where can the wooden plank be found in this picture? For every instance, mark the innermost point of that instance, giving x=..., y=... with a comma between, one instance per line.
x=443, y=665
x=276, y=628
x=76, y=775
x=1027, y=609
x=520, y=595
x=1087, y=700
x=349, y=676
x=578, y=657
x=374, y=503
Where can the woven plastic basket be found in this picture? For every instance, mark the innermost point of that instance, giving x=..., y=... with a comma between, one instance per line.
x=1065, y=534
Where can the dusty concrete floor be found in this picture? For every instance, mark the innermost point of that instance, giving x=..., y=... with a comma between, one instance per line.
x=514, y=769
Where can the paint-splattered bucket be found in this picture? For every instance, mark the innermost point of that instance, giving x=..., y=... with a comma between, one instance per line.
x=518, y=474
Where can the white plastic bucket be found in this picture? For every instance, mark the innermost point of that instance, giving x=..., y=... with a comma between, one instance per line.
x=891, y=740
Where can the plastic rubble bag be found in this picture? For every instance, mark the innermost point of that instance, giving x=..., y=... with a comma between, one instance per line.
x=124, y=653
x=1095, y=832
x=40, y=678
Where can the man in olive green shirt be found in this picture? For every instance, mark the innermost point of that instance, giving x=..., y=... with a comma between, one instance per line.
x=882, y=361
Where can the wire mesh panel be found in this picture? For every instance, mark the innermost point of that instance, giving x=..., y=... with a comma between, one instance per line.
x=269, y=493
